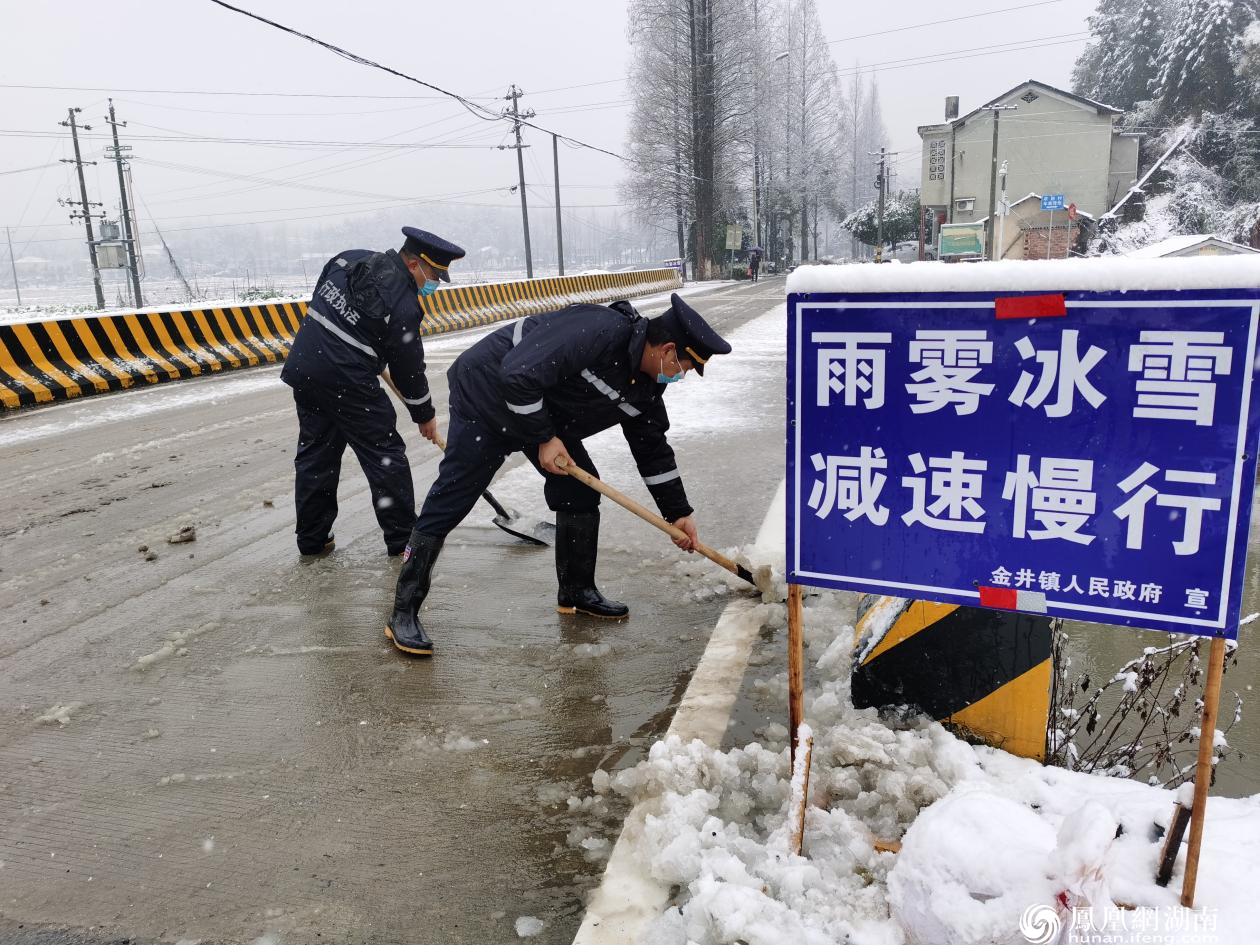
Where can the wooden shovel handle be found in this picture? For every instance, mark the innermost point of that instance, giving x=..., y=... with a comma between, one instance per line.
x=651, y=518
x=440, y=442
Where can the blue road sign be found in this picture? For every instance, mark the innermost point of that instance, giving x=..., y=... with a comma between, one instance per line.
x=1086, y=455
x=1053, y=202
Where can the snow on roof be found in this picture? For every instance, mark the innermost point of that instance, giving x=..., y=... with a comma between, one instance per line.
x=1107, y=274
x=1037, y=197
x=1175, y=244
x=1070, y=96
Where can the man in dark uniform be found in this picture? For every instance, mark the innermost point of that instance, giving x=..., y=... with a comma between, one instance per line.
x=541, y=385
x=364, y=314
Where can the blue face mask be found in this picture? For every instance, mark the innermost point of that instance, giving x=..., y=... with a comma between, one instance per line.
x=430, y=286
x=663, y=378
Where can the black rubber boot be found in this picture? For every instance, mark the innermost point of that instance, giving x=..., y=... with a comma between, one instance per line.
x=404, y=628
x=577, y=544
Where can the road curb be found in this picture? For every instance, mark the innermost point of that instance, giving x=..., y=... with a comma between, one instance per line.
x=629, y=897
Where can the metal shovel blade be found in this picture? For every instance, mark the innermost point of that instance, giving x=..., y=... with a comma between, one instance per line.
x=534, y=531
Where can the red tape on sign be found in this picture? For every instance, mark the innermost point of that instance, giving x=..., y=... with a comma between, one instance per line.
x=1032, y=306
x=1002, y=598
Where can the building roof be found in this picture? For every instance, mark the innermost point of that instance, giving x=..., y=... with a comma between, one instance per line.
x=1082, y=101
x=1177, y=245
x=1036, y=197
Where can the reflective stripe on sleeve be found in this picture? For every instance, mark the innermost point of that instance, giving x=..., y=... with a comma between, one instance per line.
x=327, y=323
x=632, y=411
x=527, y=408
x=517, y=331
x=416, y=403
x=661, y=478
x=598, y=384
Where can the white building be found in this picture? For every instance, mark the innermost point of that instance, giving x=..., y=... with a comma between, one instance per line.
x=1053, y=143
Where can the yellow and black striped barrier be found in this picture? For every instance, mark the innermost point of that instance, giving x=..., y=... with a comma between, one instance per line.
x=47, y=361
x=985, y=673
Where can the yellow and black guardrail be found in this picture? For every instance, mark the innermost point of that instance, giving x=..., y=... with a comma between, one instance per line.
x=986, y=673
x=46, y=361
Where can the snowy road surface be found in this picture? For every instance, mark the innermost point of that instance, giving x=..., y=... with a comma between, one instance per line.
x=218, y=745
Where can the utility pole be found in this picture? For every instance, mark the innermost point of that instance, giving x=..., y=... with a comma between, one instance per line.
x=85, y=208
x=555, y=160
x=990, y=230
x=857, y=104
x=804, y=148
x=1003, y=210
x=13, y=262
x=881, y=184
x=516, y=115
x=132, y=261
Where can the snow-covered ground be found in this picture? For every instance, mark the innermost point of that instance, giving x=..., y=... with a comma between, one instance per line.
x=995, y=848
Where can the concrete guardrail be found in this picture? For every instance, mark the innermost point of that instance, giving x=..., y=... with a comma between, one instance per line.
x=46, y=361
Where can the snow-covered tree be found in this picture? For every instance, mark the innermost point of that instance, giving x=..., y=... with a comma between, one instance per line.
x=692, y=90
x=739, y=116
x=1104, y=65
x=1120, y=66
x=1200, y=57
x=1249, y=65
x=1206, y=97
x=901, y=220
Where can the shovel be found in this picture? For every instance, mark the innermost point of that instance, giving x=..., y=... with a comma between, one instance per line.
x=534, y=531
x=653, y=519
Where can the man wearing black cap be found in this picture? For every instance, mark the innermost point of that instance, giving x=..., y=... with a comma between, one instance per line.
x=541, y=385
x=364, y=315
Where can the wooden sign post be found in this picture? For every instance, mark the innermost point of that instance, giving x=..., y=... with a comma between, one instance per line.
x=796, y=666
x=1203, y=772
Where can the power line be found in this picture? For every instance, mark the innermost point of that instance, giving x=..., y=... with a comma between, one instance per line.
x=955, y=19
x=23, y=170
x=315, y=216
x=430, y=102
x=474, y=108
x=353, y=163
x=96, y=88
x=974, y=53
x=263, y=142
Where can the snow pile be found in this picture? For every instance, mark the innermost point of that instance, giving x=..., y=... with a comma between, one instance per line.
x=990, y=842
x=60, y=714
x=527, y=926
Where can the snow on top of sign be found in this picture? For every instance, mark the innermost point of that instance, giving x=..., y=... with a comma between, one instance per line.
x=1110, y=274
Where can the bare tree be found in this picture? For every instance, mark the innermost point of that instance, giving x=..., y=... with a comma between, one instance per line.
x=739, y=116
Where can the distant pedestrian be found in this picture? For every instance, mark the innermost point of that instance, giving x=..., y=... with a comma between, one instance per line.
x=364, y=315
x=754, y=265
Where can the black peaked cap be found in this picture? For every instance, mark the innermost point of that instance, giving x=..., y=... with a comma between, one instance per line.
x=694, y=337
x=434, y=250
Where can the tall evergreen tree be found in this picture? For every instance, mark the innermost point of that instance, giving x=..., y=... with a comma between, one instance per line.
x=1103, y=68
x=1199, y=73
x=1139, y=80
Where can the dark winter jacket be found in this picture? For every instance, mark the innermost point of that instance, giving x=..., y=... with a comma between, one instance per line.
x=363, y=315
x=571, y=374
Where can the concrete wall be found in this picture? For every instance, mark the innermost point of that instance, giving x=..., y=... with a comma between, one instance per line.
x=1124, y=167
x=63, y=358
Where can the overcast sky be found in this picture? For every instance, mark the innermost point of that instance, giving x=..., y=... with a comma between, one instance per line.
x=570, y=56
